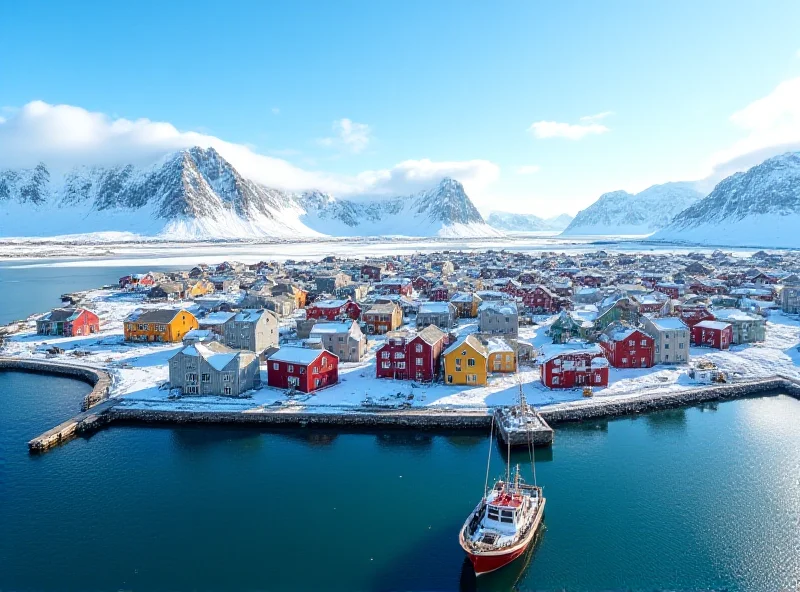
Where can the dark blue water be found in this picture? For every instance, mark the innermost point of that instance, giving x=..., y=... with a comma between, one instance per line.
x=697, y=499
x=704, y=498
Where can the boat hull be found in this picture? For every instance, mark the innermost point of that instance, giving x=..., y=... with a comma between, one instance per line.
x=489, y=561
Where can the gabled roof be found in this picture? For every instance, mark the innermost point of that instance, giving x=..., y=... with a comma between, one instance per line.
x=431, y=334
x=298, y=355
x=160, y=315
x=59, y=315
x=469, y=340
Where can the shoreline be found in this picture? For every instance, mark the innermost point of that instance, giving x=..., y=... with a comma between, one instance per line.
x=98, y=410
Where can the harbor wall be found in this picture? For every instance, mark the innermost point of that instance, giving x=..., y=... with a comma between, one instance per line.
x=99, y=379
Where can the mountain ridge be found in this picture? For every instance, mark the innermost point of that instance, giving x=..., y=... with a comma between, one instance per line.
x=195, y=193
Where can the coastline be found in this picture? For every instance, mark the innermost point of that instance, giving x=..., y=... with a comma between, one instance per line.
x=98, y=410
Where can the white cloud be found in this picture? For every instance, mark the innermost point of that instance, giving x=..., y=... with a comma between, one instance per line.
x=772, y=126
x=576, y=131
x=64, y=136
x=2, y=119
x=597, y=116
x=528, y=169
x=351, y=136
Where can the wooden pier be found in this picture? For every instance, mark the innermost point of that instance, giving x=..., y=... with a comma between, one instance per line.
x=526, y=427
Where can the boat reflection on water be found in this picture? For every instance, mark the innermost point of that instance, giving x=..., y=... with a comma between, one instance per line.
x=504, y=579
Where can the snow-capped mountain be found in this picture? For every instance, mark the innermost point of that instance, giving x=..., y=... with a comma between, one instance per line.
x=195, y=193
x=527, y=222
x=620, y=212
x=760, y=207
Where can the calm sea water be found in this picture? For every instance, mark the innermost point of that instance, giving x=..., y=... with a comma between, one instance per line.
x=696, y=499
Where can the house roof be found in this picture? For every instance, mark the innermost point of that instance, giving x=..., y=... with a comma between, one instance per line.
x=434, y=308
x=331, y=328
x=329, y=303
x=160, y=315
x=503, y=308
x=217, y=318
x=297, y=355
x=734, y=314
x=431, y=334
x=554, y=350
x=718, y=325
x=388, y=308
x=217, y=355
x=58, y=315
x=497, y=346
x=469, y=340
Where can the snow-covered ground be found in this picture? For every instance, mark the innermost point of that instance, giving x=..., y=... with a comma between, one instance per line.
x=139, y=370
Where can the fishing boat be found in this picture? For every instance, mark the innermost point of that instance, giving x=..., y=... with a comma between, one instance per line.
x=505, y=522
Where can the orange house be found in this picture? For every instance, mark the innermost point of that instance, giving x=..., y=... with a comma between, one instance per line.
x=161, y=325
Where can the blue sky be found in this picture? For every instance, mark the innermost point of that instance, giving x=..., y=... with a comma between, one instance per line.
x=384, y=96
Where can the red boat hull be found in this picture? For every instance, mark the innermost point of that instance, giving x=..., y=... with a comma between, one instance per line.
x=483, y=564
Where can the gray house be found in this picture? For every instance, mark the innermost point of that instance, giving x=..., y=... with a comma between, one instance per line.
x=441, y=314
x=498, y=318
x=213, y=369
x=747, y=328
x=343, y=338
x=671, y=336
x=252, y=329
x=790, y=298
x=330, y=282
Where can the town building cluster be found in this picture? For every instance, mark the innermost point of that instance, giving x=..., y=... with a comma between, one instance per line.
x=452, y=317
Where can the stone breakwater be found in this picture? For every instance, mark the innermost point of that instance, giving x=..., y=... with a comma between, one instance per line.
x=598, y=409
x=99, y=379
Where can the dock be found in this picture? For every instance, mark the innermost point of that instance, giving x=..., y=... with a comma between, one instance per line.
x=84, y=422
x=523, y=427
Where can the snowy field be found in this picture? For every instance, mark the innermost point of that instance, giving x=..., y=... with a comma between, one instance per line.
x=115, y=251
x=139, y=371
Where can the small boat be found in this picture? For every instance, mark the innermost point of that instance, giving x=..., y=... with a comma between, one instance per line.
x=505, y=522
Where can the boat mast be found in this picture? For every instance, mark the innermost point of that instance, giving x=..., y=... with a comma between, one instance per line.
x=488, y=459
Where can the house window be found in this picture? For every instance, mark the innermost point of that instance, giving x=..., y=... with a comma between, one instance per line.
x=666, y=346
x=385, y=355
x=419, y=348
x=341, y=339
x=228, y=390
x=191, y=377
x=450, y=378
x=624, y=360
x=401, y=365
x=191, y=390
x=597, y=378
x=419, y=361
x=291, y=368
x=680, y=345
x=471, y=362
x=324, y=362
x=315, y=369
x=227, y=377
x=386, y=365
x=643, y=342
x=399, y=355
x=555, y=380
x=275, y=365
x=206, y=377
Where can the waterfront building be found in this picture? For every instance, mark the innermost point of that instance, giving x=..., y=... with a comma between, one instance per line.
x=68, y=322
x=333, y=310
x=465, y=362
x=746, y=327
x=410, y=357
x=501, y=356
x=671, y=336
x=715, y=334
x=574, y=365
x=252, y=329
x=213, y=369
x=303, y=369
x=628, y=347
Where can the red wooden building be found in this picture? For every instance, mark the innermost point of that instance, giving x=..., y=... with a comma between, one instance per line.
x=627, y=347
x=714, y=334
x=333, y=310
x=440, y=294
x=691, y=314
x=137, y=281
x=372, y=272
x=302, y=368
x=68, y=322
x=540, y=299
x=404, y=357
x=400, y=286
x=671, y=289
x=423, y=284
x=575, y=367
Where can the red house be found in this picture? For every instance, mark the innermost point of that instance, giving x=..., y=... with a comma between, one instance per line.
x=714, y=334
x=440, y=294
x=302, y=368
x=411, y=358
x=137, y=281
x=400, y=286
x=691, y=314
x=541, y=299
x=671, y=289
x=333, y=310
x=68, y=322
x=571, y=367
x=627, y=347
x=422, y=284
x=371, y=272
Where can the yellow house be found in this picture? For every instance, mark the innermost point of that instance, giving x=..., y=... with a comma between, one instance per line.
x=161, y=325
x=465, y=362
x=501, y=356
x=201, y=288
